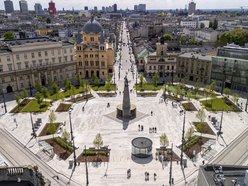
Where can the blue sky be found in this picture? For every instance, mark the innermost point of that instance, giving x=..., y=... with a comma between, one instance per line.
x=123, y=4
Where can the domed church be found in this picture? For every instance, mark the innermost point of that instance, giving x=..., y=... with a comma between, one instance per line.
x=95, y=52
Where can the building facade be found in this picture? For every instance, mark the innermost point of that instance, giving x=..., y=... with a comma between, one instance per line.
x=192, y=6
x=51, y=8
x=23, y=6
x=38, y=9
x=9, y=8
x=95, y=54
x=230, y=68
x=161, y=62
x=195, y=66
x=24, y=62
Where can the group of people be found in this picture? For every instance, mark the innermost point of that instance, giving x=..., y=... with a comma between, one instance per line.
x=147, y=176
x=153, y=130
x=141, y=127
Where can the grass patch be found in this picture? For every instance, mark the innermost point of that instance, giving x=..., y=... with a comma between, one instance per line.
x=66, y=94
x=50, y=128
x=175, y=98
x=148, y=86
x=63, y=107
x=189, y=106
x=147, y=94
x=187, y=92
x=19, y=107
x=107, y=94
x=220, y=104
x=34, y=106
x=111, y=87
x=80, y=98
x=203, y=128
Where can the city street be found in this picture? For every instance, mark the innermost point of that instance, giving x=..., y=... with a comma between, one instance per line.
x=93, y=120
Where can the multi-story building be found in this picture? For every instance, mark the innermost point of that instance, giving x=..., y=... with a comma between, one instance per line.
x=115, y=7
x=51, y=8
x=192, y=6
x=38, y=9
x=161, y=62
x=95, y=54
x=195, y=66
x=26, y=61
x=9, y=8
x=230, y=68
x=23, y=6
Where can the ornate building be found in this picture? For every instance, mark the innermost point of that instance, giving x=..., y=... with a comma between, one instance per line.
x=95, y=54
x=26, y=61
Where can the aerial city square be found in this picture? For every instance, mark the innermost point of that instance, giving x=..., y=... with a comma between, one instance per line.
x=129, y=94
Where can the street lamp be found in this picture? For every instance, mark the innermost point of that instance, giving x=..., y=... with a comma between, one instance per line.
x=170, y=178
x=181, y=159
x=114, y=77
x=4, y=103
x=220, y=132
x=72, y=141
x=32, y=123
x=86, y=168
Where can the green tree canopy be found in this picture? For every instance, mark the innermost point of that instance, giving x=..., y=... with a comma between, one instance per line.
x=67, y=84
x=167, y=37
x=54, y=88
x=189, y=133
x=163, y=140
x=202, y=25
x=98, y=142
x=95, y=79
x=155, y=80
x=52, y=117
x=201, y=115
x=238, y=36
x=9, y=35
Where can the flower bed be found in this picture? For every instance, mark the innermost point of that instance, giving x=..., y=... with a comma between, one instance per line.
x=203, y=128
x=189, y=106
x=19, y=107
x=49, y=128
x=63, y=107
x=81, y=98
x=94, y=156
x=147, y=94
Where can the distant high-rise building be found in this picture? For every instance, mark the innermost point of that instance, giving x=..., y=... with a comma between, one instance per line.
x=191, y=9
x=95, y=8
x=103, y=8
x=51, y=8
x=141, y=7
x=9, y=8
x=86, y=8
x=38, y=9
x=135, y=7
x=23, y=6
x=115, y=7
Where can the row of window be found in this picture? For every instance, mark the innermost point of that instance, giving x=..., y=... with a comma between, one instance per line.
x=90, y=56
x=39, y=54
x=35, y=63
x=160, y=67
x=92, y=63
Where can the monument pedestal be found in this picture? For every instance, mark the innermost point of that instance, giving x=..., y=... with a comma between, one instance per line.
x=121, y=115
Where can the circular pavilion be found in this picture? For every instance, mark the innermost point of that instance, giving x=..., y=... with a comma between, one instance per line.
x=141, y=147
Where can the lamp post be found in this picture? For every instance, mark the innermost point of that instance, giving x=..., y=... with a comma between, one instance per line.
x=86, y=168
x=72, y=141
x=30, y=89
x=181, y=159
x=4, y=103
x=170, y=178
x=164, y=91
x=114, y=77
x=221, y=119
x=32, y=123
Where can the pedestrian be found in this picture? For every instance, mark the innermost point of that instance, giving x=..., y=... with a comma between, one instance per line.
x=83, y=109
x=151, y=113
x=139, y=127
x=203, y=162
x=155, y=129
x=155, y=175
x=142, y=128
x=147, y=176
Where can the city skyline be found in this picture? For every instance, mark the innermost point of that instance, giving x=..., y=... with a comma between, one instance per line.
x=156, y=4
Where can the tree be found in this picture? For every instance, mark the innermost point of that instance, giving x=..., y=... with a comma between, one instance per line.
x=163, y=140
x=238, y=36
x=202, y=25
x=201, y=115
x=52, y=117
x=98, y=142
x=215, y=24
x=167, y=37
x=18, y=99
x=142, y=80
x=39, y=97
x=67, y=84
x=227, y=91
x=78, y=79
x=155, y=80
x=23, y=94
x=235, y=98
x=108, y=82
x=197, y=85
x=65, y=136
x=210, y=24
x=189, y=134
x=95, y=79
x=9, y=35
x=54, y=88
x=38, y=86
x=44, y=92
x=48, y=20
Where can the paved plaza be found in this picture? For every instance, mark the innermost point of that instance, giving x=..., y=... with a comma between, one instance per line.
x=118, y=135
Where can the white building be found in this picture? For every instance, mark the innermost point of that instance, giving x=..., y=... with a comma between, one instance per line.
x=192, y=6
